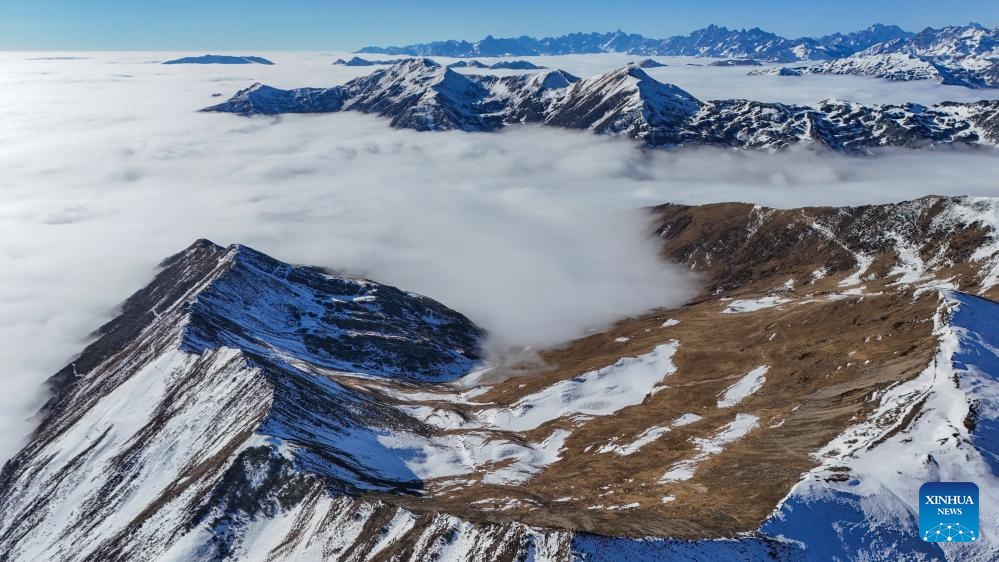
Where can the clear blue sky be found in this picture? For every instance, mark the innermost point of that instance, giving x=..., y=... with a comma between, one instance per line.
x=316, y=24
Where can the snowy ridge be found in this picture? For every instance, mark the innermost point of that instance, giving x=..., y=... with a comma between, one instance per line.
x=420, y=94
x=956, y=55
x=969, y=46
x=209, y=401
x=711, y=41
x=857, y=483
x=902, y=66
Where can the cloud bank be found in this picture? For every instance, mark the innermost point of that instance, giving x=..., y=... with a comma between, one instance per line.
x=534, y=233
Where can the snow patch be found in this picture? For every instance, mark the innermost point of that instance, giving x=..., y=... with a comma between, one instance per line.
x=747, y=385
x=751, y=305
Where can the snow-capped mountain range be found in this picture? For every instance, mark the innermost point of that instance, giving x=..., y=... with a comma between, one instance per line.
x=956, y=55
x=423, y=95
x=890, y=66
x=711, y=41
x=505, y=64
x=960, y=56
x=241, y=408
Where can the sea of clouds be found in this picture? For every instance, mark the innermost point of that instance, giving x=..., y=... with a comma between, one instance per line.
x=537, y=234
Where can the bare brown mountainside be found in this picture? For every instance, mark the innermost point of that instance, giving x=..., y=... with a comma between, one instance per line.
x=243, y=407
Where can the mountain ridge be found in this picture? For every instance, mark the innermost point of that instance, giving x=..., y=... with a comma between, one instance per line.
x=838, y=337
x=421, y=94
x=713, y=41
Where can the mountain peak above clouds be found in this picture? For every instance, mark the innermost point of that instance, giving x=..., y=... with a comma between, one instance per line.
x=220, y=59
x=420, y=94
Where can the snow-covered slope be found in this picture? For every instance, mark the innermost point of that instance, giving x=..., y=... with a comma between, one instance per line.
x=969, y=46
x=241, y=408
x=956, y=55
x=624, y=102
x=903, y=66
x=420, y=94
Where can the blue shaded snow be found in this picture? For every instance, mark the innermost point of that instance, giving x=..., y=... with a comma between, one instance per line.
x=977, y=365
x=834, y=527
x=595, y=548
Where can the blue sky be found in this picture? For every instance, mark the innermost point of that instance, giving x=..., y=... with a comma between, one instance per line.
x=317, y=25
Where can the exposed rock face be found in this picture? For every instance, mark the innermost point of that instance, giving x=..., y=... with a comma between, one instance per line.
x=420, y=94
x=241, y=408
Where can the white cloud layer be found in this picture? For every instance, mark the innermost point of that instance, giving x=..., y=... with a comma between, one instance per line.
x=532, y=232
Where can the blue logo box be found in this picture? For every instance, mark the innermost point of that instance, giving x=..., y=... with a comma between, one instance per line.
x=948, y=512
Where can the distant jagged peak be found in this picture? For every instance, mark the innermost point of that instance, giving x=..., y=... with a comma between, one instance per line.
x=358, y=61
x=505, y=65
x=710, y=41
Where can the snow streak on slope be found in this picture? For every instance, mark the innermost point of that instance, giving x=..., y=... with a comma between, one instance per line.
x=750, y=305
x=597, y=393
x=101, y=474
x=482, y=440
x=748, y=384
x=646, y=437
x=980, y=211
x=733, y=431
